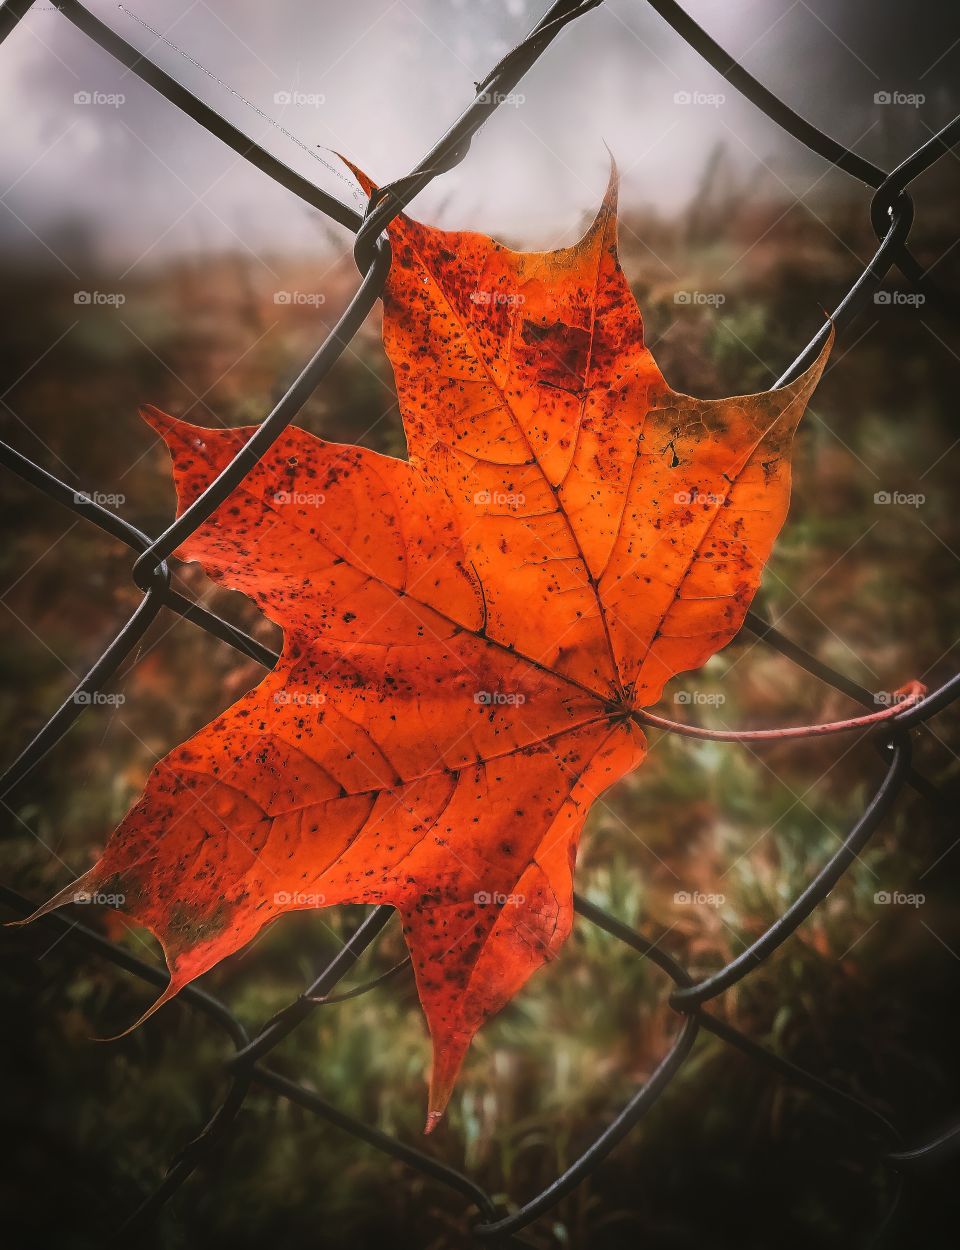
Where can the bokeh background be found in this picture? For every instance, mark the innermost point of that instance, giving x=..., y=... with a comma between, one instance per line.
x=144, y=263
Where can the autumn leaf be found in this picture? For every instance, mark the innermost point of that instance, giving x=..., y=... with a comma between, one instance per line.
x=468, y=634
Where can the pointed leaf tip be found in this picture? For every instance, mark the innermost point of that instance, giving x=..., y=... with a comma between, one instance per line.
x=613, y=181
x=433, y=1119
x=173, y=988
x=69, y=894
x=171, y=430
x=157, y=419
x=175, y=431
x=366, y=182
x=606, y=213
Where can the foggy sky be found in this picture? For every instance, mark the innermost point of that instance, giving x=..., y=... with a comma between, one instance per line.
x=381, y=79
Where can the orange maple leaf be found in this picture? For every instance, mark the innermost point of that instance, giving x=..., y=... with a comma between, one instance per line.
x=467, y=634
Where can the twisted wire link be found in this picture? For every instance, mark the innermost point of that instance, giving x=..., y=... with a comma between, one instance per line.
x=891, y=216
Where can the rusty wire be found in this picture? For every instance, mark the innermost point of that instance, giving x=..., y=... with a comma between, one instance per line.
x=891, y=215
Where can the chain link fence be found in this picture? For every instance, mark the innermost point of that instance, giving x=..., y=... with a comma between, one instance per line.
x=891, y=214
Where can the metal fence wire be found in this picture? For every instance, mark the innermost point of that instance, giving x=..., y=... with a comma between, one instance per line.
x=891, y=212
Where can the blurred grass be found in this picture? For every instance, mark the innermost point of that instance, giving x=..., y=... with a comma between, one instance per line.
x=858, y=994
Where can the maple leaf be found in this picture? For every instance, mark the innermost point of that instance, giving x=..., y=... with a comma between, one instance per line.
x=467, y=634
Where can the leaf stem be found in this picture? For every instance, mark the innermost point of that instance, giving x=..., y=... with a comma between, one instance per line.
x=325, y=1000
x=907, y=695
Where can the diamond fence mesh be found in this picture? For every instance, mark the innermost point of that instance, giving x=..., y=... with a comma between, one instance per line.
x=891, y=215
